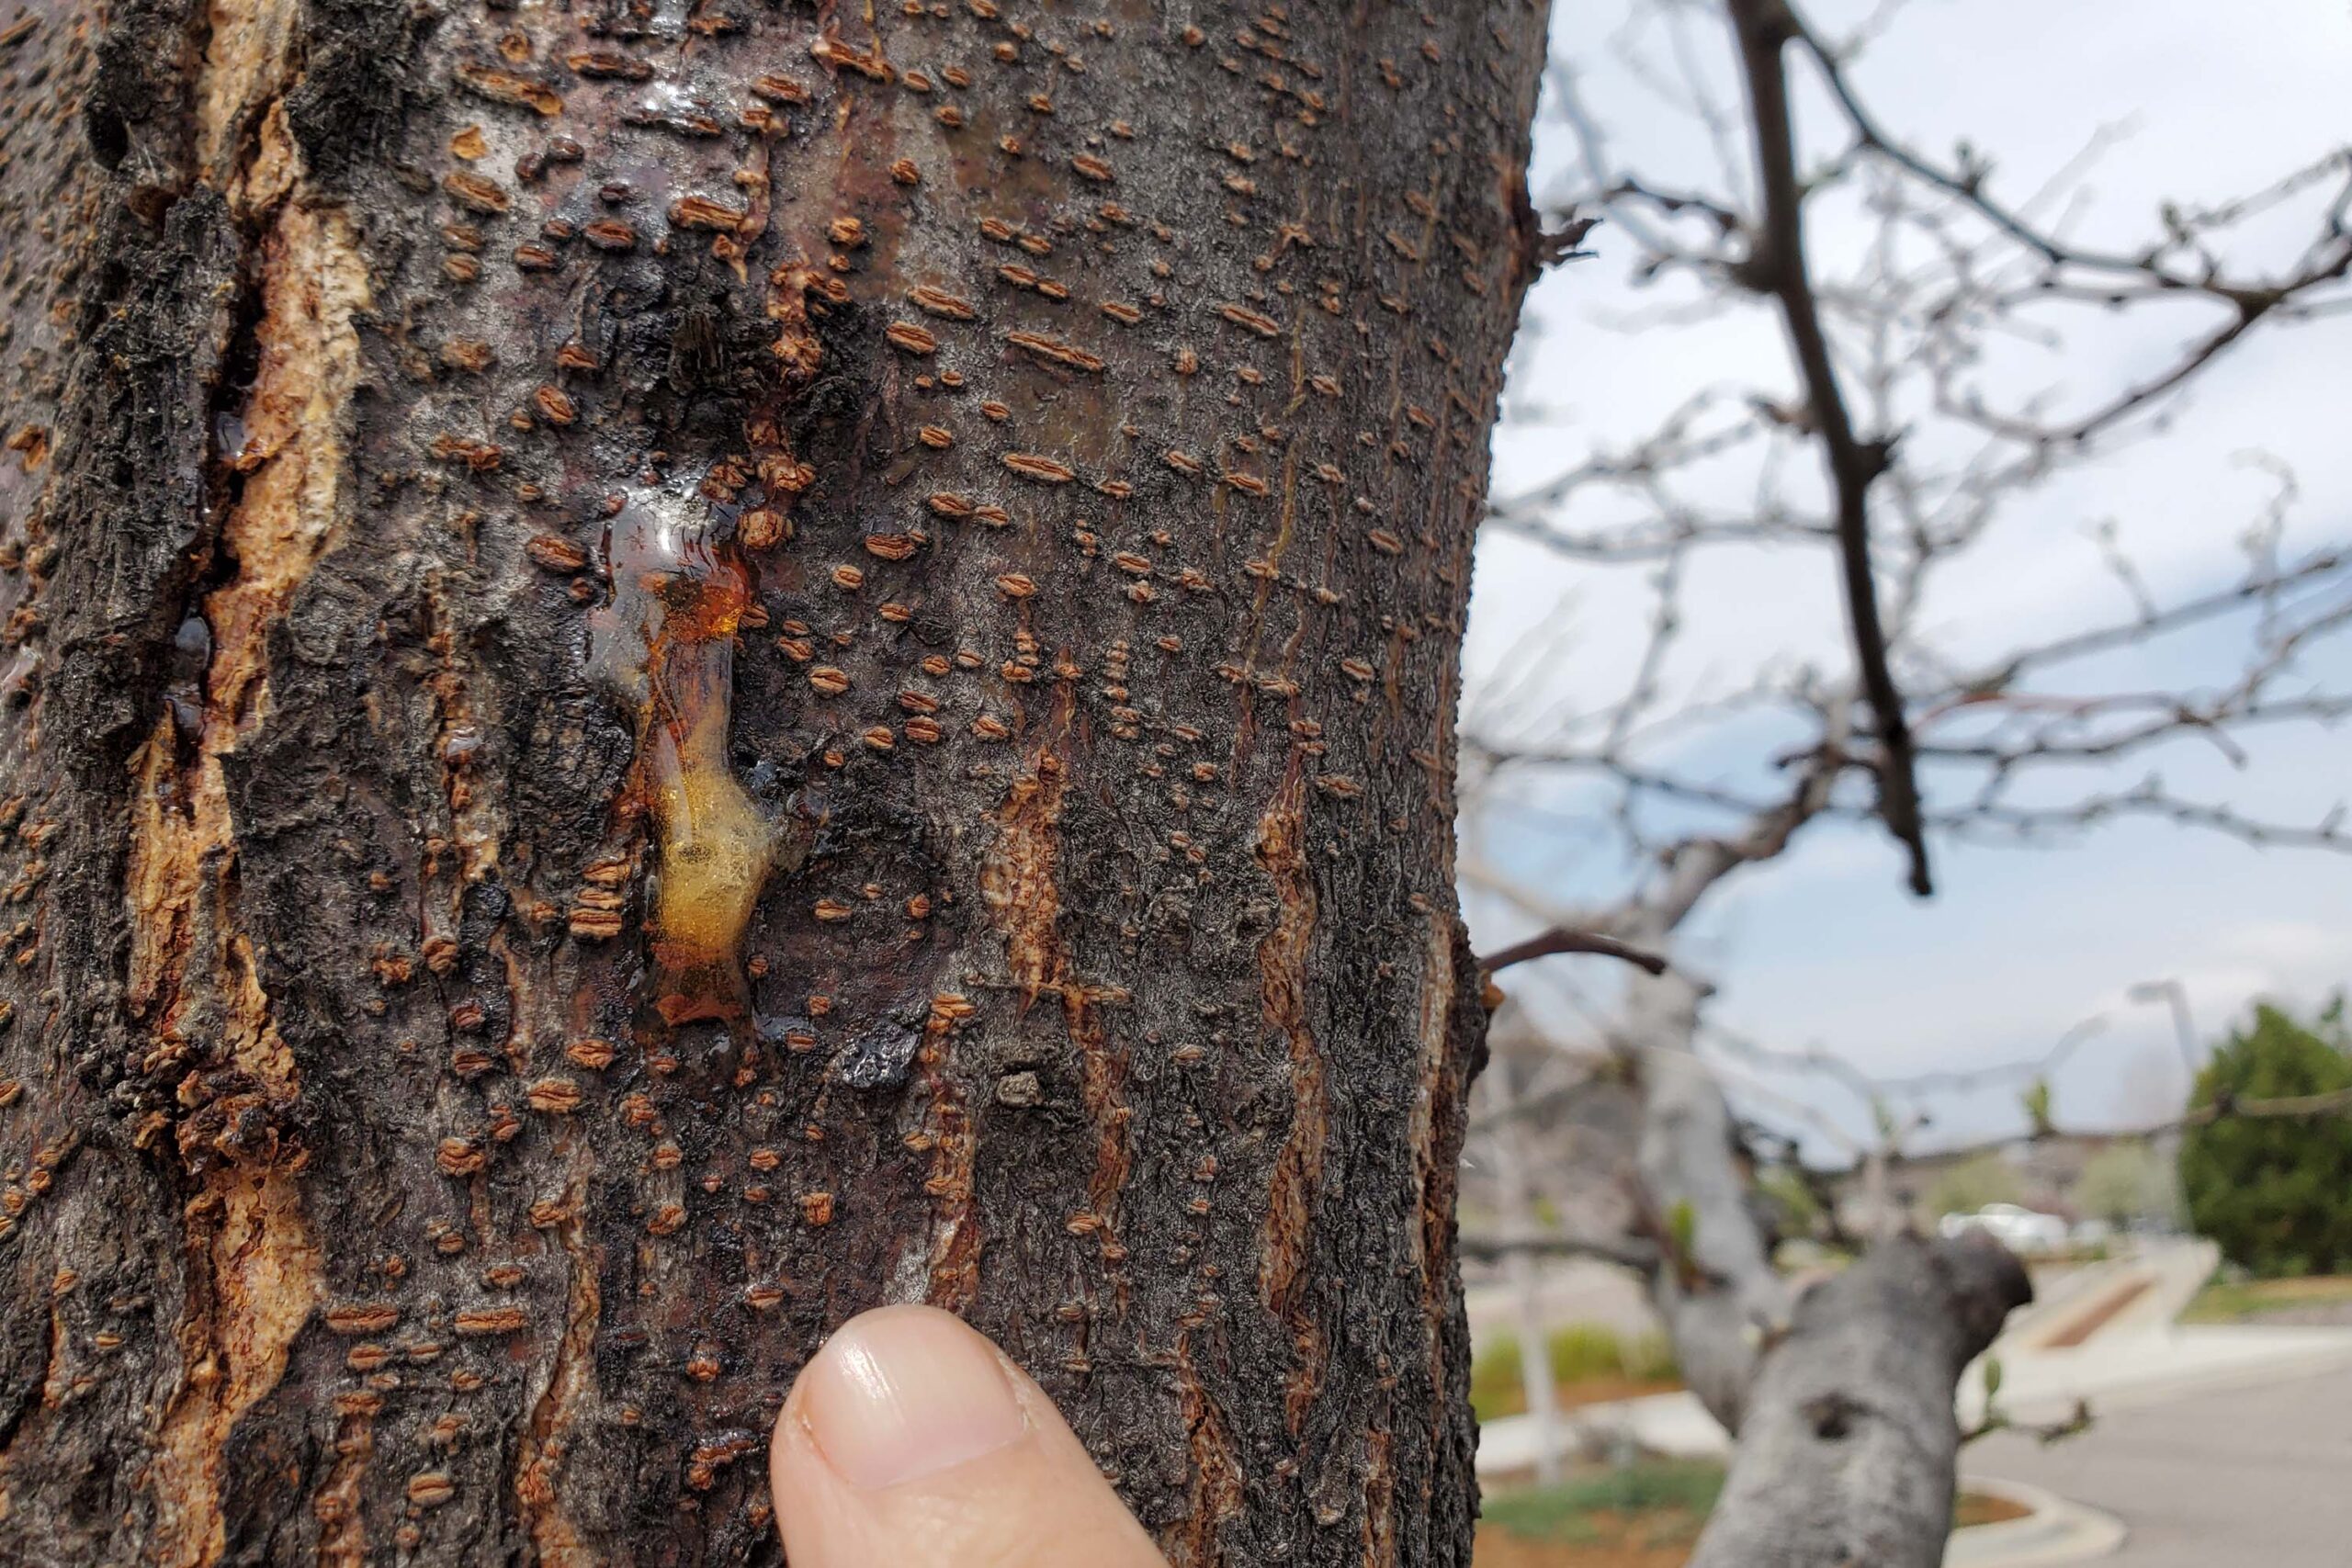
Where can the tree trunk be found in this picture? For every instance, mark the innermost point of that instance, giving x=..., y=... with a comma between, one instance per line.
x=680, y=668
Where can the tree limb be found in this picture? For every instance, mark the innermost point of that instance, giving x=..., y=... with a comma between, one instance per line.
x=1777, y=267
x=1850, y=1448
x=1560, y=939
x=1723, y=1299
x=1637, y=1255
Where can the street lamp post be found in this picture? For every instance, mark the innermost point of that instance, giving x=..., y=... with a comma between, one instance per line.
x=2172, y=993
x=2175, y=996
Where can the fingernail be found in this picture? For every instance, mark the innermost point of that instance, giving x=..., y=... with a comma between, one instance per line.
x=903, y=1393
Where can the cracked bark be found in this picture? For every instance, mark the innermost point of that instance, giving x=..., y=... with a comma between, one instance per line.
x=674, y=670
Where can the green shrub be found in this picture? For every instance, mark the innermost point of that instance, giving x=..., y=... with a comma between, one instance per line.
x=1650, y=1358
x=1580, y=1352
x=1682, y=1490
x=1800, y=1213
x=2275, y=1193
x=1496, y=1389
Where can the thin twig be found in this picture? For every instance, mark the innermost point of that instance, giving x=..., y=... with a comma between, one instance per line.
x=1638, y=1256
x=1560, y=939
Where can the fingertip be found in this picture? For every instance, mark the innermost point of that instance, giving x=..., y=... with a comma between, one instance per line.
x=903, y=1391
x=910, y=1438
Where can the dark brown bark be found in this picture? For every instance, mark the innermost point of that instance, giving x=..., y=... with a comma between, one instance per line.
x=681, y=669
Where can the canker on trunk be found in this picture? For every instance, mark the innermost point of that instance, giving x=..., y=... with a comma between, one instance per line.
x=674, y=670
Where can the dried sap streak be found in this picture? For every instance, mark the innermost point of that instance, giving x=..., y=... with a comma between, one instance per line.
x=666, y=641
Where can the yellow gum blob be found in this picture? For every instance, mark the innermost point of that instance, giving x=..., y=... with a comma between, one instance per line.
x=668, y=641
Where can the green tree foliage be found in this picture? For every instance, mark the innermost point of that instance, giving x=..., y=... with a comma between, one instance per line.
x=2275, y=1193
x=1975, y=1182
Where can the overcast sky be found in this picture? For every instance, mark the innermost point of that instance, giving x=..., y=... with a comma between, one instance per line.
x=1823, y=948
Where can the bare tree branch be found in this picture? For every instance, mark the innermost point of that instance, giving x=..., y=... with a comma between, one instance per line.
x=1634, y=1254
x=1951, y=729
x=1777, y=265
x=1560, y=939
x=1849, y=1451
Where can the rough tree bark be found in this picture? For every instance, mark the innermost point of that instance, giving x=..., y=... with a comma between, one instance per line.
x=680, y=666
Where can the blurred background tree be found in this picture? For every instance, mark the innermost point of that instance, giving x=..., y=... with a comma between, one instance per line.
x=1907, y=520
x=2275, y=1194
x=2126, y=1183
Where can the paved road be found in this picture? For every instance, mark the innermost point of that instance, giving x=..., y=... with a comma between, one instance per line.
x=2254, y=1475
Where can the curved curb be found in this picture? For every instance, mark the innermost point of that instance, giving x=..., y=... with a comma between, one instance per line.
x=2056, y=1532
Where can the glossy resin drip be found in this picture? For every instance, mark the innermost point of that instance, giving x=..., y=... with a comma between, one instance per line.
x=666, y=641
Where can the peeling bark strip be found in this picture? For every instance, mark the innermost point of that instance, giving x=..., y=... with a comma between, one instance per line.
x=547, y=1436
x=665, y=673
x=1298, y=1169
x=259, y=1272
x=1017, y=884
x=253, y=1264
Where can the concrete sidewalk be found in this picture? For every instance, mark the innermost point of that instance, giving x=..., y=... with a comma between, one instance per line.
x=2128, y=1370
x=2145, y=1288
x=2053, y=1532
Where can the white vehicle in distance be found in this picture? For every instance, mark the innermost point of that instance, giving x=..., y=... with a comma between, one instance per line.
x=2018, y=1229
